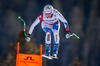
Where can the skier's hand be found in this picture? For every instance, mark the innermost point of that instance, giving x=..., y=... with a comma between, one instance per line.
x=67, y=33
x=28, y=38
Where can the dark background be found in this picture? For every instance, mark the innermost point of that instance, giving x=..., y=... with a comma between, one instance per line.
x=83, y=17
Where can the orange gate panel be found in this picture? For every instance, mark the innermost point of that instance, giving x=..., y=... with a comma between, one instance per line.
x=28, y=59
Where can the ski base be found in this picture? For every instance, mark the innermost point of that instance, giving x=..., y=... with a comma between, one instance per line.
x=49, y=57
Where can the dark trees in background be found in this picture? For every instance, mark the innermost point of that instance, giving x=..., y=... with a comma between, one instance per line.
x=82, y=15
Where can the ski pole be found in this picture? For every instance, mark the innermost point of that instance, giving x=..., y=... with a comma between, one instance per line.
x=73, y=34
x=24, y=25
x=76, y=36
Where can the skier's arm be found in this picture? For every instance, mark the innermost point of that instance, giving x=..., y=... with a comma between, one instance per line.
x=38, y=20
x=31, y=29
x=62, y=19
x=33, y=25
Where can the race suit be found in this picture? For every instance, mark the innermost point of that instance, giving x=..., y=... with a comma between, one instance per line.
x=50, y=26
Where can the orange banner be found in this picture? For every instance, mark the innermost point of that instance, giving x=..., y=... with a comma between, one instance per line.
x=28, y=59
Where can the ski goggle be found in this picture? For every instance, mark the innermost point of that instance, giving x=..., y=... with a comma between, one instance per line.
x=48, y=13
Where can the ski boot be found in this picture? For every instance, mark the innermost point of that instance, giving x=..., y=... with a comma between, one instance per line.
x=55, y=51
x=47, y=51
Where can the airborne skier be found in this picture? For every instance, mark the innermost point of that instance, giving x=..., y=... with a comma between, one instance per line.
x=50, y=24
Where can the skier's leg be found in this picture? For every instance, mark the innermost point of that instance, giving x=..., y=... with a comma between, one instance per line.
x=47, y=41
x=56, y=29
x=56, y=44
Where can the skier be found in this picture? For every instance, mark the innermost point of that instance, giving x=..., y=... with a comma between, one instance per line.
x=49, y=19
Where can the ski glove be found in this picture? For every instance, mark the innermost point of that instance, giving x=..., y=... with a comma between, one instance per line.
x=67, y=33
x=28, y=38
x=67, y=29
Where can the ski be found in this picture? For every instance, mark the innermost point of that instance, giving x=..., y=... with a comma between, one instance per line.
x=48, y=57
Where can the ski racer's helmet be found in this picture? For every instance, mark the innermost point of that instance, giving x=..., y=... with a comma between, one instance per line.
x=48, y=9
